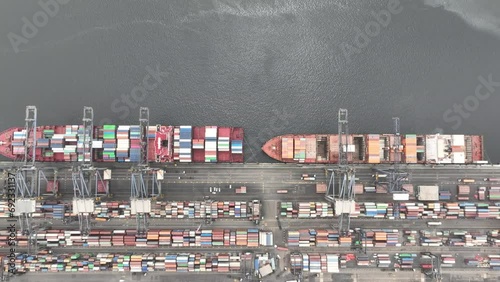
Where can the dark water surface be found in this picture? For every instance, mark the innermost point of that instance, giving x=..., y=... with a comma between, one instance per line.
x=273, y=67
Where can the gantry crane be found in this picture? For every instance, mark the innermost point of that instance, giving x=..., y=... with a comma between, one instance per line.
x=26, y=175
x=395, y=177
x=29, y=178
x=141, y=173
x=84, y=174
x=435, y=273
x=341, y=185
x=297, y=271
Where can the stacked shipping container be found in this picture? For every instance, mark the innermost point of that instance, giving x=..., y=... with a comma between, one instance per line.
x=315, y=263
x=184, y=262
x=112, y=143
x=195, y=209
x=185, y=137
x=153, y=238
x=211, y=144
x=287, y=148
x=299, y=149
x=306, y=209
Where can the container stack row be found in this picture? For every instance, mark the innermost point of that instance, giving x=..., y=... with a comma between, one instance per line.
x=237, y=147
x=313, y=237
x=152, y=132
x=406, y=260
x=316, y=263
x=444, y=195
x=183, y=262
x=211, y=144
x=447, y=260
x=494, y=262
x=185, y=137
x=266, y=238
x=123, y=143
x=84, y=141
x=331, y=238
x=153, y=238
x=122, y=209
x=410, y=237
x=362, y=260
x=177, y=146
x=287, y=148
x=383, y=260
x=306, y=209
x=70, y=138
x=109, y=143
x=494, y=194
x=223, y=143
x=463, y=192
x=428, y=239
x=296, y=263
x=47, y=151
x=405, y=210
x=194, y=209
x=457, y=238
x=43, y=143
x=381, y=238
x=494, y=237
x=18, y=140
x=300, y=149
x=135, y=143
x=375, y=210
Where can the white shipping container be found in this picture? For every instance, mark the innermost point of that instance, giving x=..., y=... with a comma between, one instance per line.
x=400, y=196
x=97, y=144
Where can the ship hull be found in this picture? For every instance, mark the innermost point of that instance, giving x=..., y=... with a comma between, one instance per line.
x=377, y=148
x=110, y=143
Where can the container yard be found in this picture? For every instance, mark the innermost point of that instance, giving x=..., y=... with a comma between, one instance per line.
x=291, y=231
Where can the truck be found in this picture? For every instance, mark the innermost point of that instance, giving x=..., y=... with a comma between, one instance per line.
x=492, y=179
x=282, y=191
x=306, y=176
x=321, y=188
x=481, y=193
x=255, y=211
x=241, y=190
x=466, y=180
x=434, y=223
x=284, y=249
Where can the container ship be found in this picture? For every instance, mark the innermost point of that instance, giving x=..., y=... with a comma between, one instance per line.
x=377, y=148
x=122, y=143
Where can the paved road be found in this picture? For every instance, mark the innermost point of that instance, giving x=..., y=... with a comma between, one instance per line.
x=265, y=179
